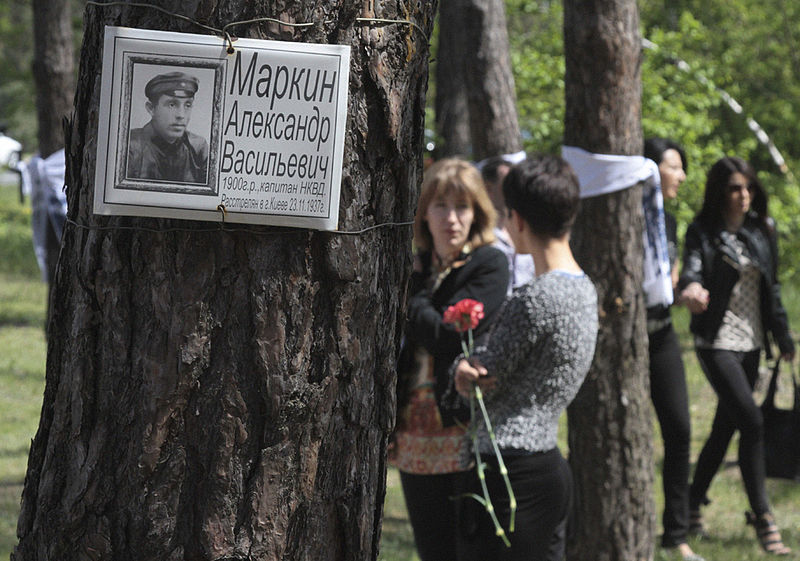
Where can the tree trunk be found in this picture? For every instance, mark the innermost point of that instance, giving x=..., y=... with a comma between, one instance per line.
x=489, y=81
x=451, y=107
x=53, y=71
x=226, y=394
x=609, y=421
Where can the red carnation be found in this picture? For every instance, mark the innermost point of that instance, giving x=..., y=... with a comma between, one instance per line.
x=464, y=315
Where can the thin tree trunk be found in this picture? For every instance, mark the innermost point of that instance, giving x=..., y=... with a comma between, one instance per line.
x=489, y=82
x=609, y=421
x=53, y=74
x=227, y=395
x=451, y=107
x=53, y=71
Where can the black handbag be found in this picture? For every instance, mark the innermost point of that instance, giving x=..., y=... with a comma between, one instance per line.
x=781, y=432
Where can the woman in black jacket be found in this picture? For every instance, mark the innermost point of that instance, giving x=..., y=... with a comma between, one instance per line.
x=453, y=232
x=730, y=285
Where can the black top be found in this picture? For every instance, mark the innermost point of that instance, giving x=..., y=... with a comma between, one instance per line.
x=151, y=157
x=672, y=238
x=481, y=275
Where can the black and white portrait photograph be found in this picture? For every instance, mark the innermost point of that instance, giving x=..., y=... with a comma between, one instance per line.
x=169, y=119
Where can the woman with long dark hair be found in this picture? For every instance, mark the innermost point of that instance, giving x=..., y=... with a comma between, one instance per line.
x=731, y=252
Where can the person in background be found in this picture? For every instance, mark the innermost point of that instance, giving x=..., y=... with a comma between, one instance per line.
x=520, y=266
x=43, y=180
x=667, y=375
x=730, y=284
x=531, y=368
x=453, y=234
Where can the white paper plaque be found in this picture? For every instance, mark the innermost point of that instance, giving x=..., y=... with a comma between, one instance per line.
x=187, y=129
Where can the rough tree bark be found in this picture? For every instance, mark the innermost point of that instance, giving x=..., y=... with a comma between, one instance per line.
x=609, y=421
x=489, y=82
x=450, y=104
x=53, y=71
x=227, y=395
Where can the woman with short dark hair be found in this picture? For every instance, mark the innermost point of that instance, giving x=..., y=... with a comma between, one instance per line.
x=531, y=367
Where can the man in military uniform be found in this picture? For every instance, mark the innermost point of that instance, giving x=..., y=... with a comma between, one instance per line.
x=163, y=149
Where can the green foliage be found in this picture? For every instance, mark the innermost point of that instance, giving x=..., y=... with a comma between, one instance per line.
x=537, y=60
x=17, y=104
x=687, y=104
x=744, y=48
x=17, y=91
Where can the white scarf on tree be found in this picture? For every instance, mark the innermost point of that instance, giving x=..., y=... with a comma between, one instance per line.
x=600, y=174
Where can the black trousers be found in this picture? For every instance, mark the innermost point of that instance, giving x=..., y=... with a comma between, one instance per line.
x=542, y=485
x=733, y=375
x=433, y=506
x=671, y=402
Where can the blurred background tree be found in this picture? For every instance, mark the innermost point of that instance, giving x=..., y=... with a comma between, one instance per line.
x=17, y=99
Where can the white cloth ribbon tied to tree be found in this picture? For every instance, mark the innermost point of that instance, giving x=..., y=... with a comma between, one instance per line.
x=600, y=174
x=512, y=158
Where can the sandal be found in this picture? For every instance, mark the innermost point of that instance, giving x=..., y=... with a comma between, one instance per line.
x=696, y=526
x=767, y=533
x=687, y=554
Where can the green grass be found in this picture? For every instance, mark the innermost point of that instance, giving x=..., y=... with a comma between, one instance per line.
x=21, y=300
x=16, y=247
x=22, y=351
x=397, y=541
x=22, y=358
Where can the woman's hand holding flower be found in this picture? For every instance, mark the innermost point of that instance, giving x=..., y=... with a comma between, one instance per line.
x=468, y=374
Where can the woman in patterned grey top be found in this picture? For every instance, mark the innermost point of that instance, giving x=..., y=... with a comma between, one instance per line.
x=538, y=354
x=531, y=367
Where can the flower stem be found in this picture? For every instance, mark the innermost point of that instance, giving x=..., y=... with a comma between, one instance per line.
x=487, y=501
x=512, y=500
x=477, y=395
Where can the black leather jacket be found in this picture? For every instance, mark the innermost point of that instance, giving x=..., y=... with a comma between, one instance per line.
x=707, y=259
